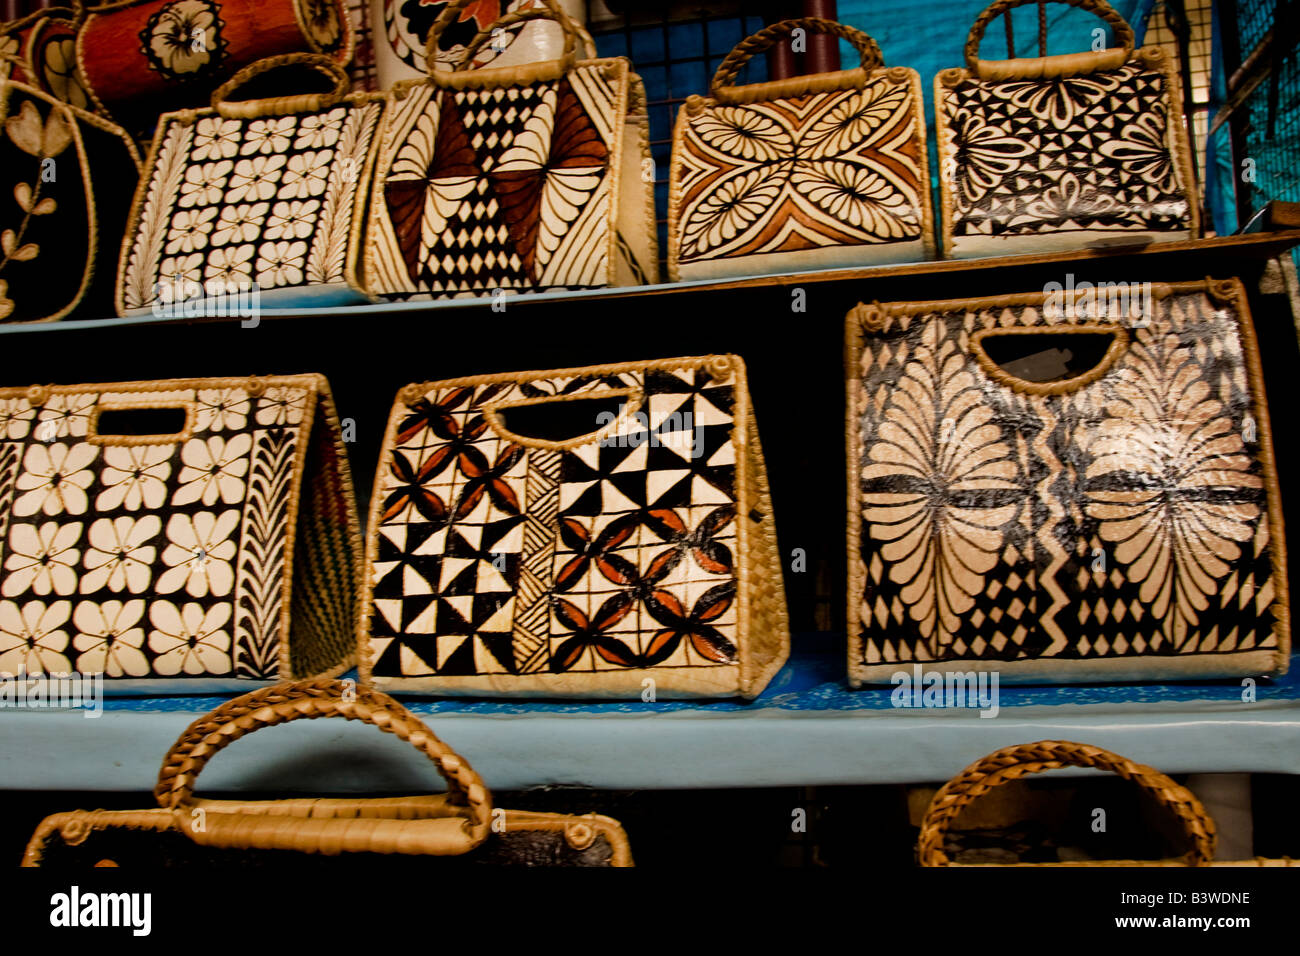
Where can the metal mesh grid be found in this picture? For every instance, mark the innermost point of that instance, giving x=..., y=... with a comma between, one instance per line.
x=1159, y=33
x=676, y=58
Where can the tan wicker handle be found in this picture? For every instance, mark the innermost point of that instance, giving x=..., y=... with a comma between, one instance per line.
x=442, y=836
x=522, y=16
x=731, y=65
x=1072, y=63
x=281, y=105
x=1012, y=763
x=549, y=10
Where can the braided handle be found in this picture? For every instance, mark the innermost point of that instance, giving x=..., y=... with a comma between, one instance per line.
x=730, y=66
x=522, y=16
x=303, y=103
x=549, y=10
x=1012, y=763
x=1123, y=32
x=308, y=700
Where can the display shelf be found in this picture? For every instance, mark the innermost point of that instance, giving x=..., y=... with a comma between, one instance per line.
x=1196, y=257
x=806, y=729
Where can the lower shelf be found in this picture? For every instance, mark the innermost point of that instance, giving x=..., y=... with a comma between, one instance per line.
x=807, y=729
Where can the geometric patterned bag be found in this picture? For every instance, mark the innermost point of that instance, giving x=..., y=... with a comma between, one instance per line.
x=1062, y=152
x=184, y=536
x=525, y=177
x=821, y=171
x=1063, y=492
x=263, y=197
x=590, y=532
x=405, y=834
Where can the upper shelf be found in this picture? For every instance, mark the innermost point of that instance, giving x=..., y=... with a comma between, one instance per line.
x=1197, y=258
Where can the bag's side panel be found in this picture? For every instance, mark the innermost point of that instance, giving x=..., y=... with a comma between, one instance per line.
x=1107, y=528
x=326, y=554
x=333, y=247
x=822, y=180
x=1050, y=164
x=143, y=279
x=637, y=243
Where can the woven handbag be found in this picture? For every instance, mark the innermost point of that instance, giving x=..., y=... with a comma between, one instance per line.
x=1062, y=152
x=812, y=172
x=184, y=536
x=459, y=827
x=140, y=58
x=65, y=176
x=1012, y=763
x=592, y=532
x=253, y=202
x=1059, y=488
x=402, y=27
x=526, y=177
x=40, y=50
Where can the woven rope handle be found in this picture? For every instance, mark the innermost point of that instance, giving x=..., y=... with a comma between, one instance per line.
x=549, y=10
x=522, y=16
x=303, y=103
x=731, y=65
x=308, y=700
x=1123, y=32
x=1012, y=763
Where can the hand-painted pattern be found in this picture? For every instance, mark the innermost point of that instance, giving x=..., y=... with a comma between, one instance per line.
x=1059, y=155
x=827, y=169
x=1125, y=517
x=505, y=188
x=146, y=560
x=234, y=202
x=496, y=558
x=185, y=39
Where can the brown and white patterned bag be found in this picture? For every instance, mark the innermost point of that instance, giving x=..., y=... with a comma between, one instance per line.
x=811, y=172
x=184, y=536
x=590, y=532
x=1059, y=488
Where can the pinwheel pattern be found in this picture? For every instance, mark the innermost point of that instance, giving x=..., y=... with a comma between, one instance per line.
x=497, y=556
x=829, y=169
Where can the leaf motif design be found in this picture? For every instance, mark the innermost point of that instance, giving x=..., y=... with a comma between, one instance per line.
x=44, y=207
x=26, y=252
x=852, y=122
x=57, y=135
x=25, y=129
x=141, y=272
x=23, y=195
x=328, y=257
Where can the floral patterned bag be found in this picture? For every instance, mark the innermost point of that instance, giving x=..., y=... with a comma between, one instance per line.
x=593, y=532
x=811, y=172
x=1060, y=487
x=184, y=536
x=66, y=175
x=1061, y=152
x=261, y=198
x=525, y=177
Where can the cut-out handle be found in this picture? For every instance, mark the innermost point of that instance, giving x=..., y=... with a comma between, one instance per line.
x=139, y=424
x=564, y=421
x=1049, y=361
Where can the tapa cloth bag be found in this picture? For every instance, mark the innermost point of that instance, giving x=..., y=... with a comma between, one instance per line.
x=812, y=172
x=452, y=829
x=401, y=36
x=65, y=176
x=1061, y=488
x=526, y=177
x=183, y=536
x=253, y=202
x=1062, y=152
x=1012, y=763
x=139, y=58
x=589, y=532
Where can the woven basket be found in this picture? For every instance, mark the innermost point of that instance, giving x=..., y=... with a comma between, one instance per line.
x=139, y=58
x=629, y=553
x=528, y=177
x=219, y=555
x=1011, y=507
x=1012, y=763
x=455, y=828
x=253, y=202
x=64, y=174
x=1062, y=152
x=820, y=171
